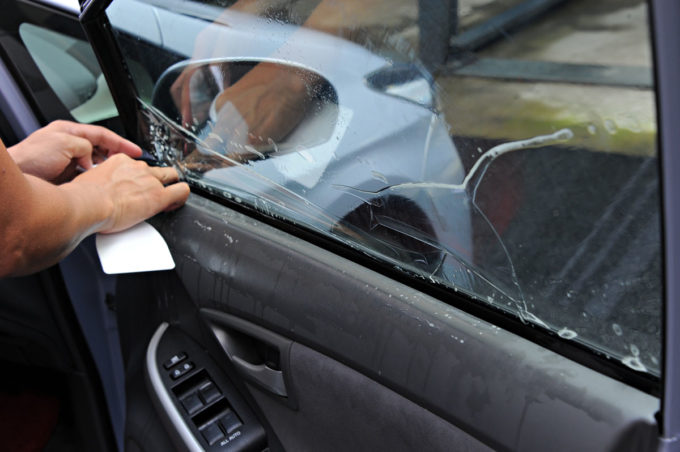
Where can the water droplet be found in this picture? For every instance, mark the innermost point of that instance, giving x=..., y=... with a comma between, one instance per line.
x=634, y=363
x=252, y=150
x=307, y=156
x=592, y=129
x=273, y=144
x=566, y=333
x=379, y=176
x=634, y=350
x=617, y=329
x=610, y=126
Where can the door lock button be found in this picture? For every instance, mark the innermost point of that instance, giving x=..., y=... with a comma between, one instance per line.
x=181, y=370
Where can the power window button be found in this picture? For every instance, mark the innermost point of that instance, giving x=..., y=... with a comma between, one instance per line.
x=212, y=433
x=192, y=403
x=210, y=393
x=230, y=421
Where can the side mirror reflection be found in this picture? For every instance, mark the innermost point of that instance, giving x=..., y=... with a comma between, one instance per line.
x=245, y=108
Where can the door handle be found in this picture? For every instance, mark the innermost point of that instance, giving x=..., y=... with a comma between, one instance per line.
x=260, y=355
x=242, y=356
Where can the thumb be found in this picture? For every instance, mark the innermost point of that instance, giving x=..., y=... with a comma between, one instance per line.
x=80, y=150
x=175, y=195
x=85, y=162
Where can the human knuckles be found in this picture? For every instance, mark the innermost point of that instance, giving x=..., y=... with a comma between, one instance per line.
x=59, y=124
x=123, y=164
x=121, y=168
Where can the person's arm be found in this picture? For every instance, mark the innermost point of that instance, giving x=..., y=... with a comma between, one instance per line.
x=40, y=223
x=342, y=19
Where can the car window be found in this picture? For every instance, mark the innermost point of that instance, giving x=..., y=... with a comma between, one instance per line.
x=70, y=68
x=493, y=148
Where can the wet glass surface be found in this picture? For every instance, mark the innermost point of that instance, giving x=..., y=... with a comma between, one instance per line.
x=518, y=168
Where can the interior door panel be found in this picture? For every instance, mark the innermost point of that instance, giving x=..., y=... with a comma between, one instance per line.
x=342, y=409
x=370, y=364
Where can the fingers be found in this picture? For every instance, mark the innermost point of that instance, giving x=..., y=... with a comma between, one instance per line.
x=133, y=190
x=165, y=175
x=173, y=195
x=98, y=136
x=176, y=195
x=134, y=201
x=79, y=149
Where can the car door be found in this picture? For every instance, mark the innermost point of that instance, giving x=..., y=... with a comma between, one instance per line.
x=419, y=258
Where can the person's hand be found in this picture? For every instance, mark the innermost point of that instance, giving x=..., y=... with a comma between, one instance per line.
x=54, y=152
x=190, y=92
x=129, y=191
x=264, y=106
x=193, y=91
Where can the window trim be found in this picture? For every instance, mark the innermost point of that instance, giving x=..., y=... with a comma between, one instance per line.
x=100, y=35
x=665, y=15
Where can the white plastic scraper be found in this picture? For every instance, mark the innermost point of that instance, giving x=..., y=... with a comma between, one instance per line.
x=138, y=249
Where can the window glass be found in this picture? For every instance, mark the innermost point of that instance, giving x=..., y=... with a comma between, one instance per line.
x=499, y=148
x=71, y=69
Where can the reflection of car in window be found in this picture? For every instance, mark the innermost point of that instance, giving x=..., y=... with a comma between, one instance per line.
x=388, y=221
x=374, y=131
x=396, y=130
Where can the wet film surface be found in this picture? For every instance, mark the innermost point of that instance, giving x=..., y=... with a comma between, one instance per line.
x=537, y=198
